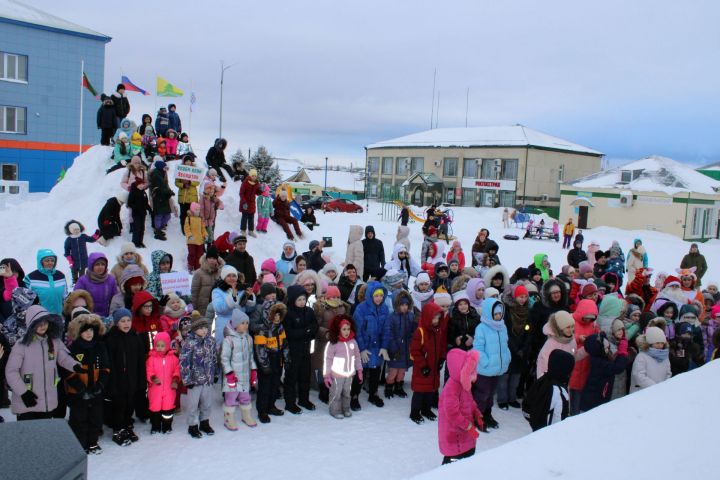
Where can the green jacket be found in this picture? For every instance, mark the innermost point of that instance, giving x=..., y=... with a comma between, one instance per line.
x=696, y=260
x=264, y=207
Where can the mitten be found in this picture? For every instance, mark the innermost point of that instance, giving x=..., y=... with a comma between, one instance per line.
x=79, y=368
x=96, y=235
x=253, y=378
x=474, y=434
x=328, y=381
x=425, y=372
x=70, y=261
x=478, y=419
x=384, y=354
x=365, y=356
x=29, y=398
x=360, y=376
x=155, y=380
x=175, y=383
x=231, y=379
x=622, y=349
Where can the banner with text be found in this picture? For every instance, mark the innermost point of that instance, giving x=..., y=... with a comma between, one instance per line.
x=175, y=282
x=186, y=172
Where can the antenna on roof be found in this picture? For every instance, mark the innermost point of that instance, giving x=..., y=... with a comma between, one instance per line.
x=467, y=105
x=432, y=110
x=437, y=110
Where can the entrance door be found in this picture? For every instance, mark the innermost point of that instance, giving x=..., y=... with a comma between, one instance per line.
x=488, y=197
x=418, y=197
x=582, y=217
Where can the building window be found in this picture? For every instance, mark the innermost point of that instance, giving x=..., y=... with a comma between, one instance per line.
x=373, y=164
x=9, y=171
x=703, y=224
x=468, y=197
x=450, y=167
x=470, y=167
x=417, y=165
x=450, y=195
x=13, y=67
x=12, y=120
x=387, y=164
x=488, y=169
x=372, y=190
x=401, y=164
x=509, y=169
x=507, y=198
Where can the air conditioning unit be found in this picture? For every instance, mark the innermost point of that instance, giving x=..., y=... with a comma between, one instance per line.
x=626, y=199
x=498, y=162
x=437, y=163
x=544, y=197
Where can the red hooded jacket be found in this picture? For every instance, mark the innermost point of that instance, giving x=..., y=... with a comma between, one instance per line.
x=248, y=191
x=583, y=329
x=428, y=348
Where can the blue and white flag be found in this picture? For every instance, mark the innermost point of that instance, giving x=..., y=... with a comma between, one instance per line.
x=295, y=210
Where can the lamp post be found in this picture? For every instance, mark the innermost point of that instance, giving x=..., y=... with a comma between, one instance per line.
x=222, y=80
x=326, y=160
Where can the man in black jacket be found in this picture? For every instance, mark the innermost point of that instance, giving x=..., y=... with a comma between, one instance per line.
x=242, y=260
x=106, y=119
x=576, y=255
x=374, y=252
x=313, y=257
x=216, y=159
x=122, y=104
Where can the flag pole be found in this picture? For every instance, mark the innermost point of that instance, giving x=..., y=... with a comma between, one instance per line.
x=82, y=73
x=191, y=105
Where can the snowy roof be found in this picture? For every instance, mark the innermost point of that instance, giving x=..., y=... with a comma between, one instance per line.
x=711, y=167
x=12, y=11
x=508, y=136
x=428, y=178
x=653, y=174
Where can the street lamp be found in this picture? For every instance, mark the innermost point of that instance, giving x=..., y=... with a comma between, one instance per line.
x=326, y=161
x=222, y=80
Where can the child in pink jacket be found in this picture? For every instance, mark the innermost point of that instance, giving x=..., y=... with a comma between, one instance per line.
x=342, y=362
x=458, y=416
x=163, y=376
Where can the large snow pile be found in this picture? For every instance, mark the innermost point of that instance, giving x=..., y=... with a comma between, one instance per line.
x=657, y=433
x=658, y=174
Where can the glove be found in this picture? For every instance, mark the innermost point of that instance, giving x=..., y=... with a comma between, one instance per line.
x=96, y=235
x=29, y=398
x=384, y=354
x=78, y=368
x=253, y=378
x=175, y=383
x=231, y=379
x=360, y=375
x=425, y=372
x=328, y=381
x=365, y=356
x=70, y=261
x=622, y=349
x=474, y=434
x=478, y=419
x=155, y=380
x=189, y=387
x=123, y=163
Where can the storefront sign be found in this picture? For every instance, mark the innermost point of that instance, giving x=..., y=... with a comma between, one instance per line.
x=489, y=184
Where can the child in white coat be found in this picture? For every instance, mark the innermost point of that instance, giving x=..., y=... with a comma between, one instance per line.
x=652, y=364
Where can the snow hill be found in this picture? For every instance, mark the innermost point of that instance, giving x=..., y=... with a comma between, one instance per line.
x=382, y=442
x=657, y=433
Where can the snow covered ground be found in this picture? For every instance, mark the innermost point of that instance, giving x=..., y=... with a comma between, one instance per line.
x=375, y=442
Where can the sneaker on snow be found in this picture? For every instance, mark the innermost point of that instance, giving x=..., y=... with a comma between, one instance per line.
x=121, y=438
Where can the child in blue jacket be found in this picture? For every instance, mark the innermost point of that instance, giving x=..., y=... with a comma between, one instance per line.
x=373, y=337
x=491, y=340
x=402, y=326
x=76, y=248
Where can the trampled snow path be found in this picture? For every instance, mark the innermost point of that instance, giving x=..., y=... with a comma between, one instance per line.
x=375, y=442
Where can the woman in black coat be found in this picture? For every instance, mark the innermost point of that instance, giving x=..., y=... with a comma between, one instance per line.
x=374, y=251
x=106, y=120
x=109, y=223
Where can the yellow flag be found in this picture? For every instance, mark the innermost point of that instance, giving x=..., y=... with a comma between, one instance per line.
x=167, y=89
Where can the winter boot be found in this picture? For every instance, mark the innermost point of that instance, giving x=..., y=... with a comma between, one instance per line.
x=229, y=418
x=121, y=438
x=246, y=412
x=263, y=417
x=417, y=417
x=243, y=233
x=276, y=412
x=338, y=416
x=206, y=428
x=131, y=433
x=429, y=415
x=389, y=390
x=194, y=431
x=166, y=422
x=94, y=449
x=355, y=404
x=252, y=233
x=503, y=406
x=154, y=423
x=324, y=394
x=292, y=408
x=375, y=400
x=306, y=404
x=399, y=391
x=490, y=422
x=160, y=235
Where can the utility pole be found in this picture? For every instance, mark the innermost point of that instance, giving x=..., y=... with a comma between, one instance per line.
x=432, y=110
x=326, y=165
x=222, y=81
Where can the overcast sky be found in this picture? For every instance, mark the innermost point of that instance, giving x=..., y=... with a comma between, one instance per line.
x=325, y=78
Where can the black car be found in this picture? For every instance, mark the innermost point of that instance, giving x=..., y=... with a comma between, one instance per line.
x=315, y=202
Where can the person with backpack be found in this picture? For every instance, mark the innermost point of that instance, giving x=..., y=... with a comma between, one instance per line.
x=548, y=401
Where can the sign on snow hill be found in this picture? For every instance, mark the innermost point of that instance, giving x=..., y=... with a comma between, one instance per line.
x=186, y=172
x=175, y=282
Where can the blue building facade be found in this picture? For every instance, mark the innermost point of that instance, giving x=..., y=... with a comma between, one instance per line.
x=40, y=88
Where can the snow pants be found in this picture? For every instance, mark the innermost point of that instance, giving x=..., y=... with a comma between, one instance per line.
x=297, y=377
x=194, y=254
x=247, y=221
x=283, y=222
x=421, y=402
x=233, y=399
x=483, y=391
x=200, y=399
x=268, y=384
x=566, y=241
x=262, y=224
x=86, y=418
x=339, y=397
x=121, y=408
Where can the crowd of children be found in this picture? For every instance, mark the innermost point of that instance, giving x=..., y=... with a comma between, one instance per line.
x=470, y=334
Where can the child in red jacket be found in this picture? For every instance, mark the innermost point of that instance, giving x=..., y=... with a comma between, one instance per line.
x=427, y=351
x=584, y=317
x=163, y=376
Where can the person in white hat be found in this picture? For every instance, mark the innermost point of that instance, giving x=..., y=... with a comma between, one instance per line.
x=652, y=364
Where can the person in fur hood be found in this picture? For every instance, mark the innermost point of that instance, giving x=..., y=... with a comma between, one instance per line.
x=497, y=277
x=86, y=385
x=128, y=256
x=76, y=247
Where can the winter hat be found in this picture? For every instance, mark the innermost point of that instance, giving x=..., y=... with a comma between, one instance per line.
x=127, y=248
x=122, y=196
x=461, y=296
x=74, y=227
x=267, y=289
x=269, y=278
x=199, y=323
x=520, y=290
x=531, y=288
x=212, y=252
x=442, y=298
x=563, y=319
x=269, y=265
x=617, y=325
x=238, y=317
x=332, y=296
x=212, y=173
x=585, y=268
x=239, y=238
x=521, y=273
x=685, y=328
x=227, y=270
x=79, y=311
x=491, y=292
x=631, y=308
x=655, y=335
x=253, y=172
x=601, y=254
x=123, y=136
x=314, y=244
x=393, y=277
x=134, y=280
x=670, y=281
x=422, y=277
x=195, y=207
x=440, y=266
x=120, y=87
x=454, y=261
x=121, y=313
x=689, y=310
x=600, y=284
x=560, y=366
x=160, y=165
x=588, y=289
x=715, y=311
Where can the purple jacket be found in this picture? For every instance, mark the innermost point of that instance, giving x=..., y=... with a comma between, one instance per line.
x=102, y=292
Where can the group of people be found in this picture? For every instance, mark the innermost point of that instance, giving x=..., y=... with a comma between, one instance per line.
x=469, y=334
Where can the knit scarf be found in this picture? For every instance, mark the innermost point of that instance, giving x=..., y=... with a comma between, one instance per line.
x=174, y=313
x=519, y=315
x=494, y=324
x=95, y=278
x=659, y=354
x=349, y=337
